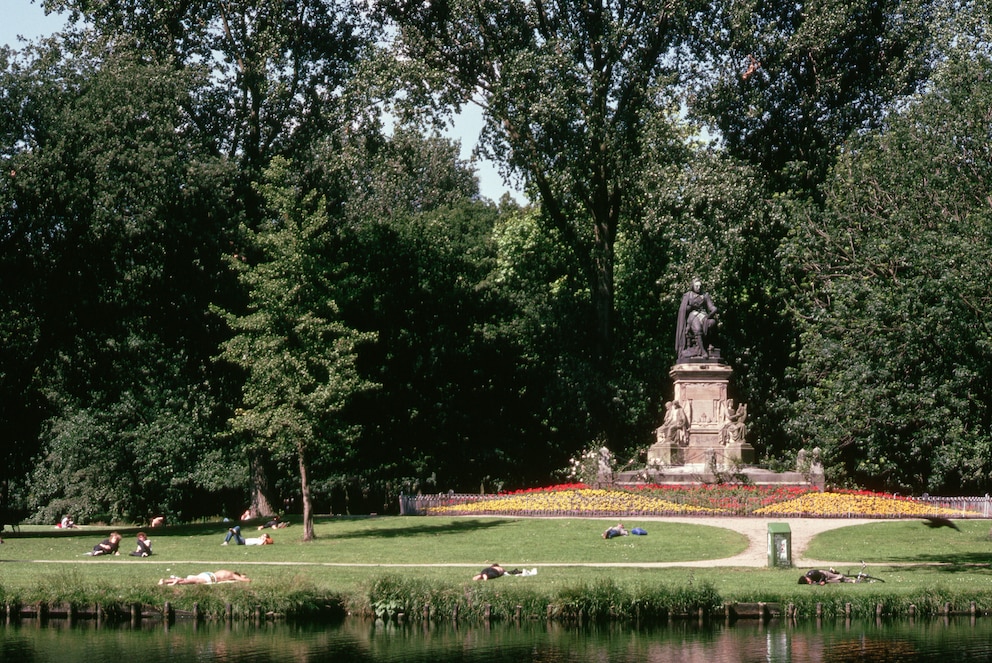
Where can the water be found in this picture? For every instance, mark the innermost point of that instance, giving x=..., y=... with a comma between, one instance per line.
x=958, y=639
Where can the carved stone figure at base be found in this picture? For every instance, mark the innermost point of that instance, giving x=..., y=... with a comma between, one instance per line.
x=733, y=430
x=675, y=428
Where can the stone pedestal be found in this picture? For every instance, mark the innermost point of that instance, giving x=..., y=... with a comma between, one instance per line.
x=703, y=428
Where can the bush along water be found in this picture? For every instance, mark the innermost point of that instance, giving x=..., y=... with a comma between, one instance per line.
x=397, y=598
x=114, y=603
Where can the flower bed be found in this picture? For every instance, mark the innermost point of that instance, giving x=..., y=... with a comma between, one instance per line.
x=854, y=504
x=717, y=499
x=574, y=501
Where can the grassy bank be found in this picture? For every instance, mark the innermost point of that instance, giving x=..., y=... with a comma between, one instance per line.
x=393, y=565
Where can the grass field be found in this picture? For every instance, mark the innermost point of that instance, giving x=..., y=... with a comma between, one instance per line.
x=351, y=555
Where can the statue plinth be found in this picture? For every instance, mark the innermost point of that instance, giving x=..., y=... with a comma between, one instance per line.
x=703, y=428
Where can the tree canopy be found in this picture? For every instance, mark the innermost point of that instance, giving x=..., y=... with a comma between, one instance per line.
x=239, y=265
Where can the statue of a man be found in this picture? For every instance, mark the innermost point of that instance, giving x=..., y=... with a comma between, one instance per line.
x=697, y=317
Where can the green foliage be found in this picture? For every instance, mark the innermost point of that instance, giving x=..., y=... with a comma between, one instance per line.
x=895, y=359
x=298, y=354
x=573, y=94
x=110, y=213
x=839, y=218
x=786, y=83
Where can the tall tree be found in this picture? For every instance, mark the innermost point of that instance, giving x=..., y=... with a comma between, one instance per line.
x=782, y=86
x=896, y=353
x=298, y=355
x=567, y=88
x=113, y=224
x=785, y=83
x=450, y=411
x=275, y=72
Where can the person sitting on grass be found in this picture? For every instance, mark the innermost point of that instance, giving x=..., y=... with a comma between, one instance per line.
x=490, y=572
x=616, y=530
x=206, y=578
x=109, y=546
x=144, y=548
x=821, y=577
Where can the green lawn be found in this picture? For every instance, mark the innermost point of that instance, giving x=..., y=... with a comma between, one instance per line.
x=459, y=546
x=350, y=553
x=906, y=542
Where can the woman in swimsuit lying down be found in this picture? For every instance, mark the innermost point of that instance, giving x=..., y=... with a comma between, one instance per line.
x=206, y=578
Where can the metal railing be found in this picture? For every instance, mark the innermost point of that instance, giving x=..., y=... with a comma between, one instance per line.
x=974, y=507
x=418, y=505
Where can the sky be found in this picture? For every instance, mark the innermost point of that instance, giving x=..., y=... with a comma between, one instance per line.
x=27, y=19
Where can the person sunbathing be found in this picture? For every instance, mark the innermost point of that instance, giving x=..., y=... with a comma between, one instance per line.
x=275, y=523
x=490, y=572
x=206, y=578
x=616, y=530
x=235, y=534
x=822, y=577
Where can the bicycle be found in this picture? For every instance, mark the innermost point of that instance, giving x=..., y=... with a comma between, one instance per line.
x=864, y=577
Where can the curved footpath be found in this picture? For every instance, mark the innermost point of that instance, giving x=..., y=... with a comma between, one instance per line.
x=756, y=531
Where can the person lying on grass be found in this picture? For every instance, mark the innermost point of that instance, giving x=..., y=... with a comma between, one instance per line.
x=275, y=523
x=206, y=578
x=492, y=571
x=616, y=530
x=235, y=533
x=820, y=577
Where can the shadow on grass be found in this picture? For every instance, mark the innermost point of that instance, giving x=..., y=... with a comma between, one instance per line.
x=417, y=526
x=956, y=563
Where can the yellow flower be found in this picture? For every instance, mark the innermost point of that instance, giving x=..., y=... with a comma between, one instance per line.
x=853, y=505
x=586, y=501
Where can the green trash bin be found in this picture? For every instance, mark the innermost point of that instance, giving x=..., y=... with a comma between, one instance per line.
x=779, y=545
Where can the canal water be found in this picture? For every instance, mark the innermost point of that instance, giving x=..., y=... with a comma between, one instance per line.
x=945, y=640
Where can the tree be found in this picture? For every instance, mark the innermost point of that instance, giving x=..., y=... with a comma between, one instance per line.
x=298, y=355
x=782, y=86
x=567, y=89
x=416, y=250
x=110, y=214
x=896, y=351
x=275, y=78
x=785, y=83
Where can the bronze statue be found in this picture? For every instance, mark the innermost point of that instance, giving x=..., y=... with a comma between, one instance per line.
x=697, y=318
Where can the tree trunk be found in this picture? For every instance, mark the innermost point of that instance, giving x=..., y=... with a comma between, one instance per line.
x=260, y=503
x=307, y=506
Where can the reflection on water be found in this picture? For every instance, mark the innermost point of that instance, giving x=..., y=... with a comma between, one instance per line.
x=359, y=640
